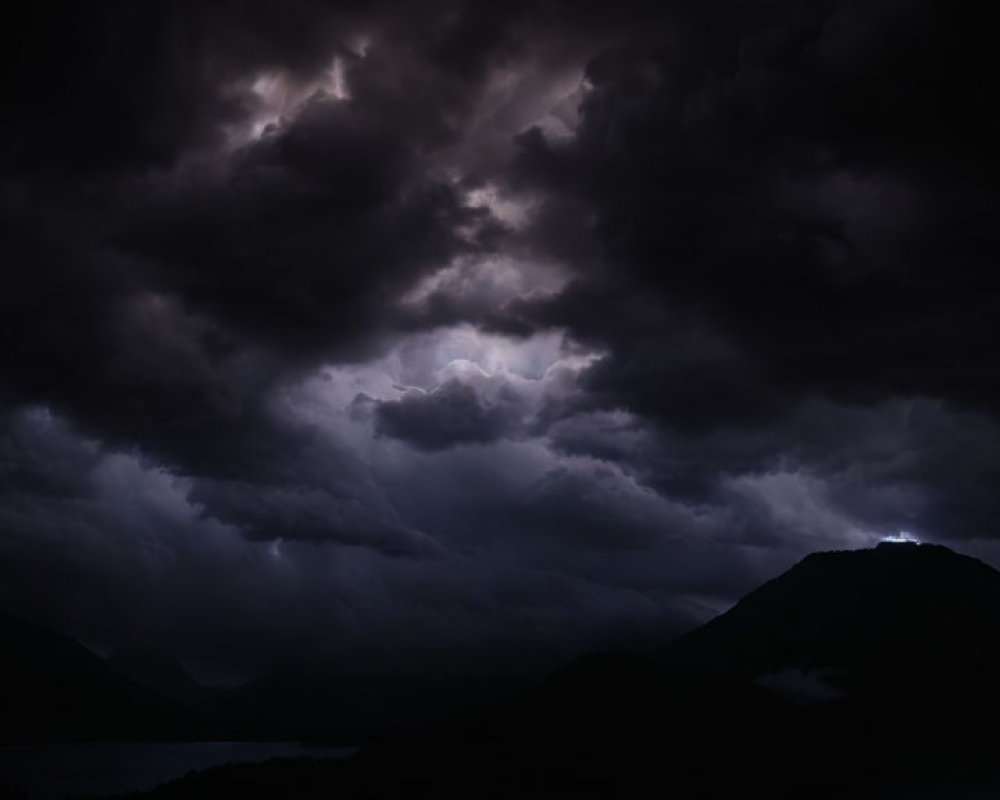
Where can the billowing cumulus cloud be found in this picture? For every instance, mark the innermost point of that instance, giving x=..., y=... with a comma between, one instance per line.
x=444, y=336
x=452, y=413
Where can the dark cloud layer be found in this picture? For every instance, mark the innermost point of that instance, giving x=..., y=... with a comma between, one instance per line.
x=451, y=414
x=813, y=184
x=463, y=336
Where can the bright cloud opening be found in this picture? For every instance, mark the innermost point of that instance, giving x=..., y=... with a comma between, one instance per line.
x=274, y=97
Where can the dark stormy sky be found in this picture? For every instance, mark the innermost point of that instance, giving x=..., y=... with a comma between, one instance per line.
x=470, y=336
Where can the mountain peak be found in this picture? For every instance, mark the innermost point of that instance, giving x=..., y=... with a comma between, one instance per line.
x=869, y=616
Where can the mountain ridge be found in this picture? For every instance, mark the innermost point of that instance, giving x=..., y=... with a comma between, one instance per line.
x=906, y=609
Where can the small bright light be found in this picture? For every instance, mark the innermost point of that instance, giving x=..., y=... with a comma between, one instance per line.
x=901, y=536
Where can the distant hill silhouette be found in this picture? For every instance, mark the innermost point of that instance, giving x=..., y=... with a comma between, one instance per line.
x=54, y=689
x=348, y=709
x=155, y=670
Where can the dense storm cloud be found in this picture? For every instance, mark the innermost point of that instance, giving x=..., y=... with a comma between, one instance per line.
x=451, y=336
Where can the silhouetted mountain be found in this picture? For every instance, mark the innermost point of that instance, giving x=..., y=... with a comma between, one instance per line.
x=52, y=688
x=902, y=641
x=157, y=671
x=898, y=618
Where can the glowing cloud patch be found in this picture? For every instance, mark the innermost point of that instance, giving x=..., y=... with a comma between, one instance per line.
x=901, y=537
x=509, y=210
x=274, y=98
